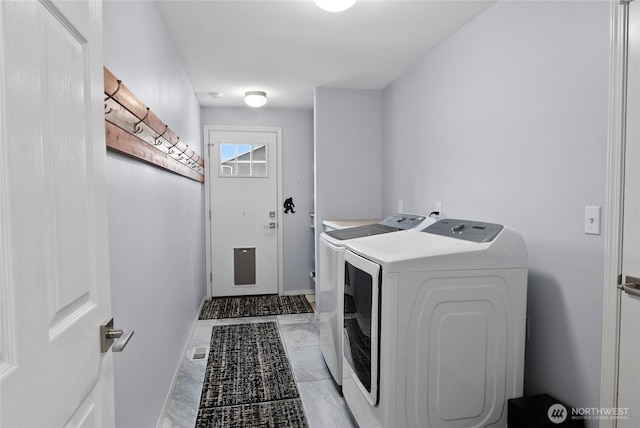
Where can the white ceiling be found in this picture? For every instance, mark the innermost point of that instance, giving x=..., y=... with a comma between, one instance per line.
x=288, y=47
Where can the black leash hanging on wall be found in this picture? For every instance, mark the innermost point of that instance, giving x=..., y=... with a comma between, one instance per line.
x=288, y=206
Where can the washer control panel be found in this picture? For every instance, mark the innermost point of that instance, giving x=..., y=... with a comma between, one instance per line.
x=467, y=230
x=403, y=221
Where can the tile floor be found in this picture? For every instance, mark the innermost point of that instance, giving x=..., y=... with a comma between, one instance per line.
x=323, y=405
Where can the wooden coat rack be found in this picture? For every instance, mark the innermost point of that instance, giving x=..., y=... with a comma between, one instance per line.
x=134, y=130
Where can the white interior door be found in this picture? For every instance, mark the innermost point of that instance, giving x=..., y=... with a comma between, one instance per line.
x=54, y=259
x=244, y=214
x=629, y=357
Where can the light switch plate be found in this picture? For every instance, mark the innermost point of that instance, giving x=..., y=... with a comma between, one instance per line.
x=592, y=220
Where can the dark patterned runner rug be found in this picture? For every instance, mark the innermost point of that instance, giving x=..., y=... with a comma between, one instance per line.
x=254, y=306
x=248, y=381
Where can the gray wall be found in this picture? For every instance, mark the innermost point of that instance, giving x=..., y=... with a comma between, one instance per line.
x=347, y=152
x=297, y=181
x=507, y=122
x=156, y=219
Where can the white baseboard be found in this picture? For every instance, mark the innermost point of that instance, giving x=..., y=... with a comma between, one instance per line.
x=299, y=292
x=187, y=348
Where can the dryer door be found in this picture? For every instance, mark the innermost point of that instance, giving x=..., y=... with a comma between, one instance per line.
x=361, y=331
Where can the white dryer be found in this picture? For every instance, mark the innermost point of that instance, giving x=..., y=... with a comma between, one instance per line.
x=331, y=277
x=434, y=326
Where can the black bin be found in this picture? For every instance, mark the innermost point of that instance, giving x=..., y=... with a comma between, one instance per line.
x=540, y=411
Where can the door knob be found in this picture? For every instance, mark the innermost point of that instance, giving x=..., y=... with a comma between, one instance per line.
x=108, y=336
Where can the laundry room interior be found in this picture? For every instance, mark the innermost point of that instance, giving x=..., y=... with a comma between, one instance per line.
x=503, y=120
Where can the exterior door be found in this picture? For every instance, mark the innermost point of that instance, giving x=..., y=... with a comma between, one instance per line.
x=244, y=215
x=54, y=258
x=629, y=357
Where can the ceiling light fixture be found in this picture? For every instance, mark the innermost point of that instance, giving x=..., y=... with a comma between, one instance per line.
x=334, y=5
x=255, y=98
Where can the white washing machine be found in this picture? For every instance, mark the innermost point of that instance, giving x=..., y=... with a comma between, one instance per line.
x=434, y=326
x=331, y=278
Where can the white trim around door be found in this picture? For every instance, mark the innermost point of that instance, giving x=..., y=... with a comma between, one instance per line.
x=207, y=183
x=614, y=208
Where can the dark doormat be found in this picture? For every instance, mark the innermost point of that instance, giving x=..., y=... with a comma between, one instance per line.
x=254, y=306
x=248, y=381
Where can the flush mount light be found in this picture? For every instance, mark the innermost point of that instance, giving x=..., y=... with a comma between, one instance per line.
x=335, y=5
x=255, y=98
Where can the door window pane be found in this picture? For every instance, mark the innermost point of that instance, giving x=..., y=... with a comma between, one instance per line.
x=243, y=160
x=259, y=152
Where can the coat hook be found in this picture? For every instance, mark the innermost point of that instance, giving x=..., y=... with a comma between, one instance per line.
x=136, y=127
x=114, y=92
x=183, y=152
x=170, y=151
x=110, y=96
x=157, y=139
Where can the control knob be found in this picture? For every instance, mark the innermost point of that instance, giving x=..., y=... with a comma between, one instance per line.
x=457, y=228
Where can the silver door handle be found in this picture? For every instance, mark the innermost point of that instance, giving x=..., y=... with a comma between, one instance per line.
x=631, y=286
x=123, y=337
x=108, y=336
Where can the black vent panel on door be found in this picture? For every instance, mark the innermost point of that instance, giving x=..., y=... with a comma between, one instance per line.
x=244, y=266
